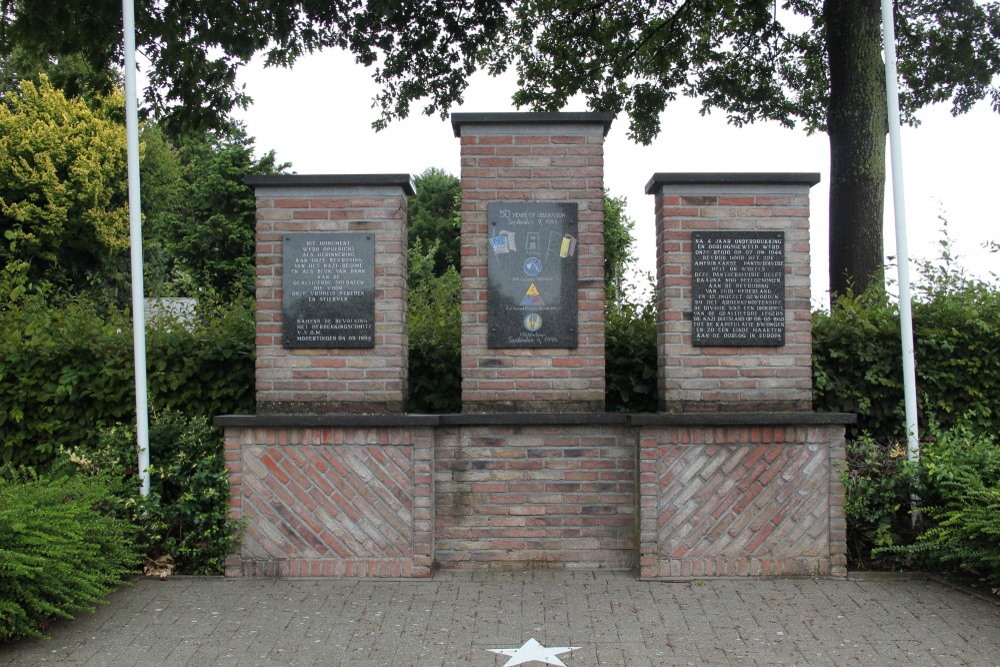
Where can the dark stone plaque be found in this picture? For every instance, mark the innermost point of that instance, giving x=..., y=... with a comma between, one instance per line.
x=328, y=297
x=738, y=281
x=532, y=275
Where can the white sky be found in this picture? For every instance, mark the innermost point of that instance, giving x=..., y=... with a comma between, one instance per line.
x=318, y=116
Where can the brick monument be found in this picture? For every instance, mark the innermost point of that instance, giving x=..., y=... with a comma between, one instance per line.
x=734, y=476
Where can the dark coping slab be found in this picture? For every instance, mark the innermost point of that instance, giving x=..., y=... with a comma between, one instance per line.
x=531, y=118
x=541, y=419
x=342, y=180
x=730, y=178
x=743, y=419
x=332, y=420
x=535, y=419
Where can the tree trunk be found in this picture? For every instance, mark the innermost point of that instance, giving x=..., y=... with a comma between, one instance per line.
x=857, y=126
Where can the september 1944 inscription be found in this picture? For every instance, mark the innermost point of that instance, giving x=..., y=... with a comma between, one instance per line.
x=738, y=284
x=328, y=297
x=532, y=270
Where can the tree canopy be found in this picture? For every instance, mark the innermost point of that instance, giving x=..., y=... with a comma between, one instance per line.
x=813, y=63
x=63, y=211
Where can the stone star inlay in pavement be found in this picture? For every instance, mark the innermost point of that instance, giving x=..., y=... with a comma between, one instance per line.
x=532, y=650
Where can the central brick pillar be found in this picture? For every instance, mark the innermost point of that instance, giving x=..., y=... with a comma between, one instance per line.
x=520, y=158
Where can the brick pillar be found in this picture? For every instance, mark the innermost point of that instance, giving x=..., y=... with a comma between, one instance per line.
x=532, y=157
x=332, y=379
x=725, y=377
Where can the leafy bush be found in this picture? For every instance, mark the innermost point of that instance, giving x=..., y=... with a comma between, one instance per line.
x=630, y=358
x=186, y=515
x=435, y=325
x=61, y=550
x=857, y=362
x=63, y=201
x=960, y=482
x=66, y=368
x=878, y=482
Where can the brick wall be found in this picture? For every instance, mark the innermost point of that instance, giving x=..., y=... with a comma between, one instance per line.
x=317, y=380
x=333, y=501
x=516, y=497
x=731, y=378
x=726, y=494
x=742, y=500
x=532, y=157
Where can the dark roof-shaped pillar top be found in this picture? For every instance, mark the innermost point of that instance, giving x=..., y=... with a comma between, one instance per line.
x=403, y=181
x=460, y=120
x=661, y=179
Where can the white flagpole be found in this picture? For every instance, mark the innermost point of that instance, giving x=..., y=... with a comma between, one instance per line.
x=902, y=251
x=135, y=232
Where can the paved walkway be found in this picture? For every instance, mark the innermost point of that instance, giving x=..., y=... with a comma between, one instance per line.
x=456, y=617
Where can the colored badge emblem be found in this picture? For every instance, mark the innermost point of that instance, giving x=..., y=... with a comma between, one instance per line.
x=532, y=297
x=532, y=322
x=532, y=267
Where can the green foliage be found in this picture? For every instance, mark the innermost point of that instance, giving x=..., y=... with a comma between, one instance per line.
x=62, y=192
x=960, y=472
x=66, y=368
x=630, y=358
x=435, y=325
x=433, y=216
x=878, y=484
x=619, y=248
x=61, y=549
x=201, y=217
x=186, y=513
x=857, y=367
x=857, y=362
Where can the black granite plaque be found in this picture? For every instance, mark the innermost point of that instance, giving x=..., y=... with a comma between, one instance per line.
x=328, y=297
x=738, y=282
x=532, y=272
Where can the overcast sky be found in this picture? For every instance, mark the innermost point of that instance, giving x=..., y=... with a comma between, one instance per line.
x=318, y=116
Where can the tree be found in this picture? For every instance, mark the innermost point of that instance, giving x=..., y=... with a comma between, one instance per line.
x=735, y=55
x=619, y=247
x=62, y=196
x=743, y=57
x=432, y=216
x=194, y=48
x=201, y=219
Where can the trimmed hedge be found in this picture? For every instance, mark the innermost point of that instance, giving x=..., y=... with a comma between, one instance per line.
x=66, y=371
x=857, y=362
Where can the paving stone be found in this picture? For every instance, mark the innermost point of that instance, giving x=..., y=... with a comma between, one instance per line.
x=455, y=617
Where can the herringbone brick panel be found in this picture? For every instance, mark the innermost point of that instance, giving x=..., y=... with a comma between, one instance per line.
x=746, y=509
x=344, y=510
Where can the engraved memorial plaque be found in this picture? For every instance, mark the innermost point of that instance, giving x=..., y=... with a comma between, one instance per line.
x=738, y=285
x=328, y=297
x=532, y=271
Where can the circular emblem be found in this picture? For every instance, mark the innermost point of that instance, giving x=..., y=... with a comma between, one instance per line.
x=532, y=266
x=532, y=322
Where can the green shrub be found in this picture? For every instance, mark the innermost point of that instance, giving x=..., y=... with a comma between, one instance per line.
x=186, y=515
x=66, y=369
x=857, y=358
x=435, y=326
x=61, y=550
x=960, y=483
x=630, y=358
x=878, y=482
